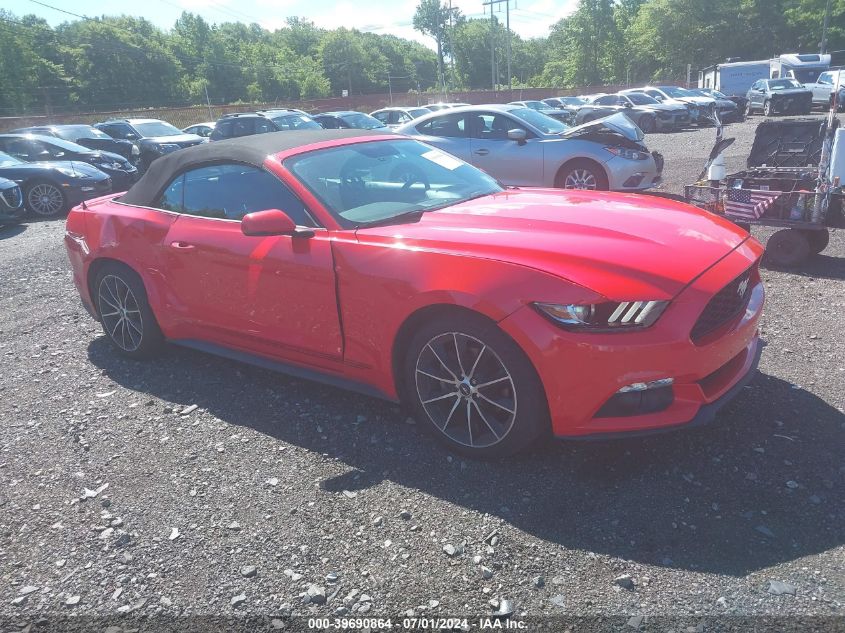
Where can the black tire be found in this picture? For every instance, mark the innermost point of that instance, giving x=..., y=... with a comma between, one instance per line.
x=767, y=108
x=748, y=109
x=127, y=319
x=582, y=171
x=818, y=240
x=443, y=391
x=648, y=124
x=45, y=199
x=787, y=247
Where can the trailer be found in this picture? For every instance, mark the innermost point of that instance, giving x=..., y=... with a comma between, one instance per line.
x=733, y=78
x=804, y=68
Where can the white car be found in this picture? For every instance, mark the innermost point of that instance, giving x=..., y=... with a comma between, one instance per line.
x=394, y=116
x=525, y=148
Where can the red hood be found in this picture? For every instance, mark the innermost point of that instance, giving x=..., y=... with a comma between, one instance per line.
x=624, y=246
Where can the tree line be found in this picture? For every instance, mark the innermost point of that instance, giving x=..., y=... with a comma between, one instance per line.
x=123, y=61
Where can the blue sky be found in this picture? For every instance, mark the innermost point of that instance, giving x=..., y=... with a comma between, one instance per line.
x=529, y=18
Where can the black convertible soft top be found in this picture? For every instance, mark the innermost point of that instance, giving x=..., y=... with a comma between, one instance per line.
x=250, y=150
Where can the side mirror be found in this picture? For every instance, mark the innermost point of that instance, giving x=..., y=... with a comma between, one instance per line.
x=269, y=222
x=517, y=135
x=131, y=136
x=628, y=105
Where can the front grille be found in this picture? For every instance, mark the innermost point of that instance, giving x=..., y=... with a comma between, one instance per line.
x=724, y=306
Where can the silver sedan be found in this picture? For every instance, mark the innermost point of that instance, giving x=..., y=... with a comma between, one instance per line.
x=524, y=148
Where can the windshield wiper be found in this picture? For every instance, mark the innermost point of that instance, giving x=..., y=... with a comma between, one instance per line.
x=407, y=216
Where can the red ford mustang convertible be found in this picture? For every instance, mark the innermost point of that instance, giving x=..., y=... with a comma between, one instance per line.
x=381, y=264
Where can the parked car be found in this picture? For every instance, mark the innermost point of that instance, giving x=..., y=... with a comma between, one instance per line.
x=699, y=107
x=348, y=119
x=249, y=123
x=740, y=101
x=823, y=87
x=51, y=188
x=778, y=96
x=441, y=105
x=727, y=108
x=525, y=148
x=200, y=129
x=154, y=137
x=561, y=114
x=33, y=149
x=564, y=102
x=498, y=316
x=394, y=117
x=87, y=136
x=649, y=114
x=12, y=208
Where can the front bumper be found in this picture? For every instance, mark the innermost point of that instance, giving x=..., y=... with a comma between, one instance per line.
x=633, y=175
x=581, y=372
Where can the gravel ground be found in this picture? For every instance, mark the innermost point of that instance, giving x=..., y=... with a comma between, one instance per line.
x=195, y=486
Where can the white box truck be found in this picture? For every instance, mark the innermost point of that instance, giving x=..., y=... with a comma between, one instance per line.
x=733, y=78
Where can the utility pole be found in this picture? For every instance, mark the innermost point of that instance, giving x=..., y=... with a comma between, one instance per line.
x=507, y=4
x=451, y=45
x=823, y=43
x=208, y=101
x=390, y=88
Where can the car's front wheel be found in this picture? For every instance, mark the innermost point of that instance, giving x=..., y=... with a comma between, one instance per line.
x=125, y=312
x=582, y=174
x=767, y=107
x=45, y=199
x=473, y=388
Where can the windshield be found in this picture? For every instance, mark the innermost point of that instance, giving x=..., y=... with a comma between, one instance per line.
x=638, y=98
x=76, y=132
x=374, y=182
x=296, y=122
x=676, y=93
x=8, y=161
x=573, y=101
x=362, y=121
x=418, y=112
x=783, y=84
x=536, y=105
x=157, y=128
x=67, y=145
x=545, y=124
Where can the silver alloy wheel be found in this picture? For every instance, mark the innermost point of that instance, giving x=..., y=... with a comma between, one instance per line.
x=466, y=390
x=45, y=199
x=580, y=179
x=120, y=314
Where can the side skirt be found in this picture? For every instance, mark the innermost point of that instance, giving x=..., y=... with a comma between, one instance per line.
x=283, y=368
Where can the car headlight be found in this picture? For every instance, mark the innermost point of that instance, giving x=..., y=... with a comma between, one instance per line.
x=166, y=147
x=608, y=316
x=630, y=154
x=135, y=151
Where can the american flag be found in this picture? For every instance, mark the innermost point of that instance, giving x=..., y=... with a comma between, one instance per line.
x=749, y=204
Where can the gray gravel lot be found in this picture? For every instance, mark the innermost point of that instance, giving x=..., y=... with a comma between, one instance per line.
x=191, y=485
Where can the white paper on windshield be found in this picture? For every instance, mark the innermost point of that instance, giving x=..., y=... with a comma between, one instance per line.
x=305, y=118
x=442, y=159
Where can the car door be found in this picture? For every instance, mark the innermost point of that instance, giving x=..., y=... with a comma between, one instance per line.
x=119, y=131
x=449, y=132
x=512, y=162
x=755, y=94
x=272, y=295
x=822, y=89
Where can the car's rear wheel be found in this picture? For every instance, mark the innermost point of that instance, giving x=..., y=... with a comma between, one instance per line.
x=125, y=312
x=582, y=174
x=45, y=199
x=473, y=388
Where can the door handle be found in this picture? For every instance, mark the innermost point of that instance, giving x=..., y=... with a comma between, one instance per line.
x=182, y=246
x=482, y=152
